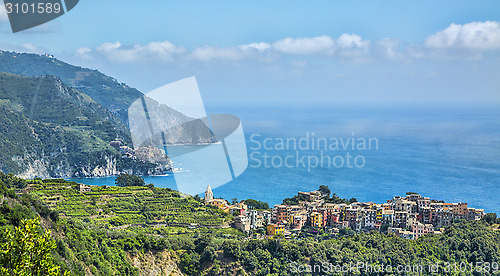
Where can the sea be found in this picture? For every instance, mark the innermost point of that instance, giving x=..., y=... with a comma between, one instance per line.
x=368, y=153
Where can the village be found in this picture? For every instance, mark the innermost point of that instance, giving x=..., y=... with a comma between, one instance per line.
x=409, y=217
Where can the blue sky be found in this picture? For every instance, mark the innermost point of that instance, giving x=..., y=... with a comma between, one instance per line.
x=285, y=52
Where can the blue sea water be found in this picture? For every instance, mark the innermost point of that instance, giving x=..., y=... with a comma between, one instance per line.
x=450, y=154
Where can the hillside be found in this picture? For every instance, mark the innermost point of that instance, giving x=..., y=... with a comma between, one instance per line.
x=125, y=206
x=103, y=89
x=58, y=120
x=49, y=129
x=46, y=99
x=89, y=246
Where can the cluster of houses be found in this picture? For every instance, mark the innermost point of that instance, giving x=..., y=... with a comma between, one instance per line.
x=126, y=152
x=409, y=217
x=148, y=154
x=245, y=219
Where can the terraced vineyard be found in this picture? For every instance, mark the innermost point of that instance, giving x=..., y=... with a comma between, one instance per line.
x=124, y=206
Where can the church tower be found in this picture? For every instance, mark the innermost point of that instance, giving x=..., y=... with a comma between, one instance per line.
x=209, y=195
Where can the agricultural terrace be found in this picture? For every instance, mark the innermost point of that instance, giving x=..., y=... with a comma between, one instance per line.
x=126, y=206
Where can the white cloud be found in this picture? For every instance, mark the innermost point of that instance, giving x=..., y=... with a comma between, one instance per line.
x=260, y=46
x=208, y=53
x=30, y=47
x=109, y=46
x=162, y=51
x=474, y=35
x=3, y=13
x=416, y=52
x=389, y=48
x=305, y=46
x=84, y=53
x=347, y=45
x=352, y=41
x=352, y=46
x=448, y=43
x=23, y=48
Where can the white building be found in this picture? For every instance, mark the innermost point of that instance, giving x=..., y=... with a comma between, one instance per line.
x=242, y=223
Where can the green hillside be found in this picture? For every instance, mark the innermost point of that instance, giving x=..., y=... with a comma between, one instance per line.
x=61, y=119
x=36, y=149
x=105, y=90
x=89, y=246
x=47, y=100
x=86, y=244
x=118, y=206
x=50, y=129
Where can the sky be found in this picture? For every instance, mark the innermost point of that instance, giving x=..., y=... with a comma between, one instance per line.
x=285, y=51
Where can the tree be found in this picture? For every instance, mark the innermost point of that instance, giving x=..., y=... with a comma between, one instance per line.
x=325, y=191
x=490, y=218
x=234, y=201
x=384, y=227
x=254, y=204
x=124, y=180
x=352, y=200
x=346, y=232
x=25, y=252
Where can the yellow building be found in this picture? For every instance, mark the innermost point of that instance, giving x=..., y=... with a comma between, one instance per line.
x=316, y=219
x=274, y=229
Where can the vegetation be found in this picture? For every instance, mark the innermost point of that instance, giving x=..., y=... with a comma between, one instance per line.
x=325, y=191
x=96, y=246
x=65, y=132
x=490, y=218
x=123, y=206
x=90, y=244
x=469, y=242
x=125, y=180
x=258, y=205
x=64, y=117
x=57, y=120
x=41, y=118
x=105, y=90
x=26, y=252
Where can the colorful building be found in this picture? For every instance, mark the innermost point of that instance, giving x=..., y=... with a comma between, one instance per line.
x=316, y=219
x=274, y=229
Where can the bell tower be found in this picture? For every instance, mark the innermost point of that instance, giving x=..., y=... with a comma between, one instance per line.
x=209, y=195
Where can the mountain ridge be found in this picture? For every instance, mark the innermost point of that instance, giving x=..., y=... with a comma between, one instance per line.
x=104, y=89
x=70, y=121
x=51, y=130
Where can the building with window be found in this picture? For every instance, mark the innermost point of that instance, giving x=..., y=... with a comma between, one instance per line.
x=316, y=219
x=274, y=229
